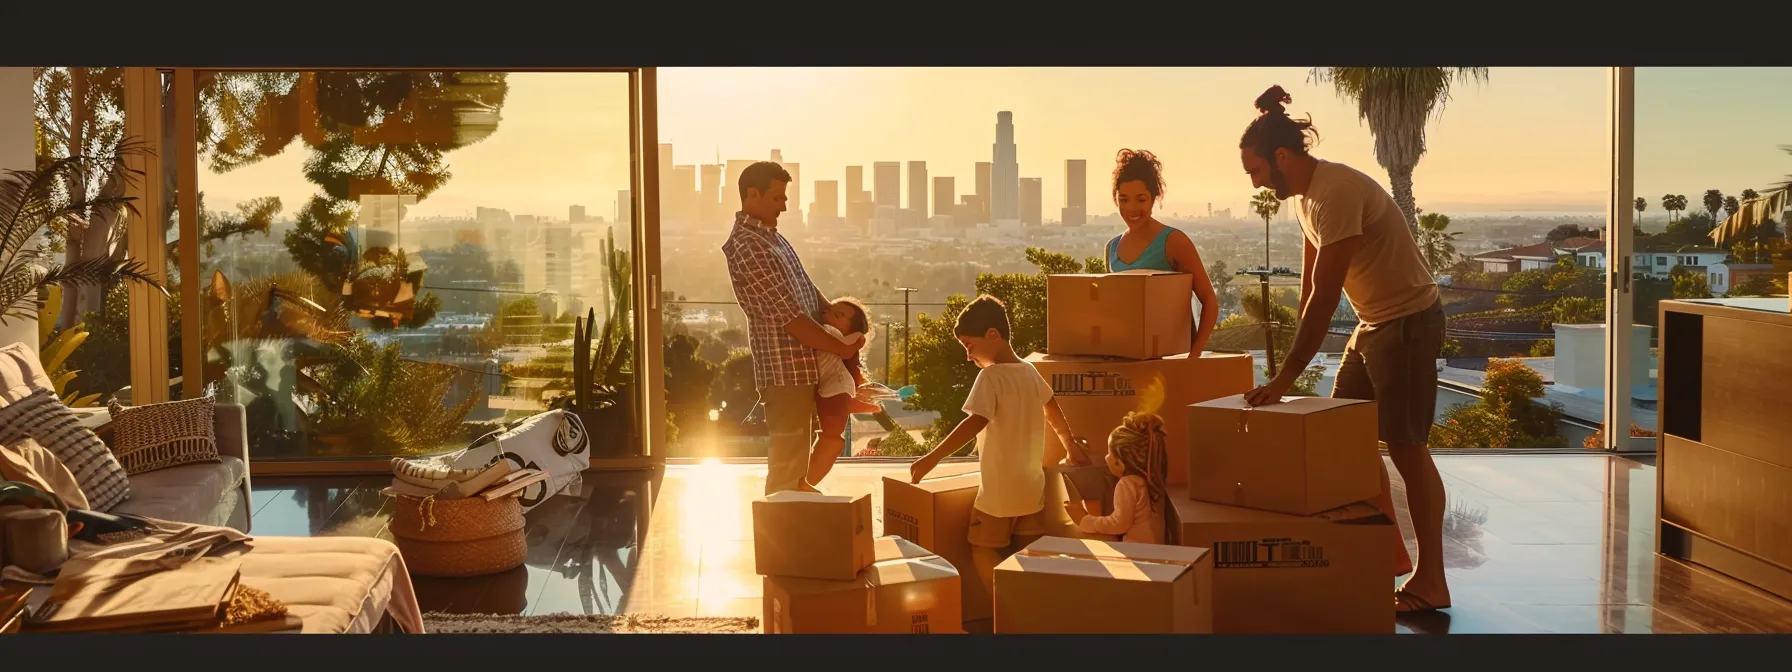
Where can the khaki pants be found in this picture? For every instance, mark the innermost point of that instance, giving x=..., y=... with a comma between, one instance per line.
x=790, y=419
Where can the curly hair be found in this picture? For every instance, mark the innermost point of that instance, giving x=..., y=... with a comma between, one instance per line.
x=1138, y=164
x=861, y=318
x=1273, y=129
x=1140, y=445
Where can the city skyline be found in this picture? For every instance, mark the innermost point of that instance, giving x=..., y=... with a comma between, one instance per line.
x=1529, y=139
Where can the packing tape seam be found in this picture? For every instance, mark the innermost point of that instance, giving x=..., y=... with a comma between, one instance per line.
x=1110, y=558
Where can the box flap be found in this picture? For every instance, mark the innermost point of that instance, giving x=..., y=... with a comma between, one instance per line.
x=811, y=497
x=941, y=484
x=892, y=547
x=1190, y=511
x=1095, y=549
x=1134, y=272
x=1044, y=358
x=1288, y=405
x=909, y=570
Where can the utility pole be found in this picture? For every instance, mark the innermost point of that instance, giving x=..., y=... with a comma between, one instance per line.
x=887, y=326
x=1269, y=322
x=906, y=291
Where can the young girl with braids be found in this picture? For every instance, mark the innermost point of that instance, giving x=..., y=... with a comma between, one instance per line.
x=1136, y=455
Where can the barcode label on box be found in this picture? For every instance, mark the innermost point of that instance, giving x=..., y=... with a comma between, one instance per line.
x=1091, y=384
x=917, y=624
x=1268, y=554
x=897, y=523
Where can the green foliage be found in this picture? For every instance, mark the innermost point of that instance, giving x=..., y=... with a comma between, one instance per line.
x=385, y=404
x=732, y=390
x=1579, y=310
x=1543, y=348
x=1307, y=385
x=1452, y=348
x=1690, y=285
x=901, y=443
x=1508, y=415
x=1758, y=284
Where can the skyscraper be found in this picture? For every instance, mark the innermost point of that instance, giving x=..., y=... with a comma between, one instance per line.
x=1004, y=188
x=794, y=190
x=1032, y=201
x=827, y=201
x=709, y=197
x=855, y=182
x=945, y=195
x=886, y=186
x=983, y=181
x=625, y=207
x=678, y=196
x=917, y=187
x=665, y=170
x=731, y=191
x=1076, y=192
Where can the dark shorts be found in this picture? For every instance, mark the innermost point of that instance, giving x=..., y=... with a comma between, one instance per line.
x=1394, y=364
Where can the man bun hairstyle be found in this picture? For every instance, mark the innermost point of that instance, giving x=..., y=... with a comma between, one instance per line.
x=1273, y=129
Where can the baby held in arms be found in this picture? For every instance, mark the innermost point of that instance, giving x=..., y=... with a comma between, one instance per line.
x=1136, y=456
x=836, y=395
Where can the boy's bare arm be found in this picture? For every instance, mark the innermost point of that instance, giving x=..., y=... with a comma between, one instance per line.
x=966, y=430
x=1054, y=416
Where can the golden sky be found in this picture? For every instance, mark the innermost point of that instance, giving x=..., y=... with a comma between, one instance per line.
x=1528, y=138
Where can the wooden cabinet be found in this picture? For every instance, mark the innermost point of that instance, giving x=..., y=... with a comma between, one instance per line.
x=1724, y=467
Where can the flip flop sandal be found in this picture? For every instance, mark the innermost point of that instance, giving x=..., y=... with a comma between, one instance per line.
x=1408, y=603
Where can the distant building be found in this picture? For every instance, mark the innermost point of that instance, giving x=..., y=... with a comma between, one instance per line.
x=886, y=186
x=917, y=186
x=827, y=200
x=1076, y=192
x=945, y=195
x=983, y=186
x=1032, y=201
x=1004, y=195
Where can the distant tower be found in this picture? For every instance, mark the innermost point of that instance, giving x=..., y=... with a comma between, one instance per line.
x=1004, y=196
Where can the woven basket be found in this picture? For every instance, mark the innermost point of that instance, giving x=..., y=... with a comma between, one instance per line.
x=476, y=557
x=431, y=519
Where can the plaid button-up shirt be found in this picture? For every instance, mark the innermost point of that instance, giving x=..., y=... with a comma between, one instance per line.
x=773, y=289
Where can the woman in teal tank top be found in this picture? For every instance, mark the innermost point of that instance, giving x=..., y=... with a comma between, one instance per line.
x=1149, y=244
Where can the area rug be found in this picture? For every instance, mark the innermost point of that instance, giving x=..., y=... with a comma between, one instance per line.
x=496, y=624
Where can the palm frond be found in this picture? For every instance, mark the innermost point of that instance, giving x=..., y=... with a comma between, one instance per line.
x=19, y=288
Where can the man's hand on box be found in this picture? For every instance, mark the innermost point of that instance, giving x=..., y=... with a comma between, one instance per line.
x=1270, y=393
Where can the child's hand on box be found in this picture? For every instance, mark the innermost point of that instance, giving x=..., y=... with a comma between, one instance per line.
x=919, y=469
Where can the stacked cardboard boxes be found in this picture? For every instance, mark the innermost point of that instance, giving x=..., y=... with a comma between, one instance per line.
x=1279, y=494
x=825, y=573
x=936, y=514
x=1117, y=343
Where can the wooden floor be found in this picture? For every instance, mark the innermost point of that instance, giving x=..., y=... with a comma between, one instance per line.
x=1536, y=544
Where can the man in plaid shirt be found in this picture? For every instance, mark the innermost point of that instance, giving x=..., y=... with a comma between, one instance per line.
x=781, y=304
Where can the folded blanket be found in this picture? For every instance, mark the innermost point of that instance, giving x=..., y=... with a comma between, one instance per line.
x=155, y=546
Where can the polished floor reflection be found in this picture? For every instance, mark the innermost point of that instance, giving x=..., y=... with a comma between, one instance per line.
x=1536, y=544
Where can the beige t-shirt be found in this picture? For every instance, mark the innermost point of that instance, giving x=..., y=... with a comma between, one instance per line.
x=1011, y=449
x=1388, y=279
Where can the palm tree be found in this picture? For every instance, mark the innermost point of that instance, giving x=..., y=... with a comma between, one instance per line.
x=1266, y=205
x=1397, y=102
x=1436, y=241
x=1731, y=205
x=1674, y=204
x=34, y=200
x=1713, y=202
x=1641, y=205
x=1749, y=195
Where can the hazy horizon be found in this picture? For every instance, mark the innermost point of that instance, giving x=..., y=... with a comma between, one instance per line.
x=1527, y=140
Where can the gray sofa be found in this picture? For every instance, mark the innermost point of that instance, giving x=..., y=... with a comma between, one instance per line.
x=213, y=493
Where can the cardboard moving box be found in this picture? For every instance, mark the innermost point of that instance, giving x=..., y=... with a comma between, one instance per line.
x=1074, y=586
x=908, y=590
x=1301, y=456
x=936, y=515
x=1275, y=573
x=1096, y=393
x=812, y=536
x=1132, y=314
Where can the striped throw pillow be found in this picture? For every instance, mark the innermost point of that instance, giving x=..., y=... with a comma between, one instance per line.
x=159, y=436
x=43, y=418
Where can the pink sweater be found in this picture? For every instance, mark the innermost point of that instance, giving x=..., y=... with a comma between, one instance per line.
x=1133, y=518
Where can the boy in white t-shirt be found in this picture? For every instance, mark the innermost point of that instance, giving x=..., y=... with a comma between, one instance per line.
x=1004, y=407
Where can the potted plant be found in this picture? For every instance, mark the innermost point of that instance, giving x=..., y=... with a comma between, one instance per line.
x=603, y=375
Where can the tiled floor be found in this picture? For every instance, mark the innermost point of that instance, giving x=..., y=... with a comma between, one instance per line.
x=1535, y=544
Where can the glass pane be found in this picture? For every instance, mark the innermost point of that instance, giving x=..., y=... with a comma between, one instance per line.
x=1695, y=164
x=80, y=113
x=890, y=190
x=395, y=261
